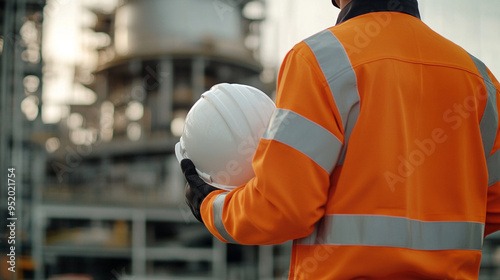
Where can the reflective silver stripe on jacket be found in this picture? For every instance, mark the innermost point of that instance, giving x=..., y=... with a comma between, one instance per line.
x=305, y=136
x=494, y=168
x=217, y=207
x=489, y=122
x=337, y=69
x=386, y=231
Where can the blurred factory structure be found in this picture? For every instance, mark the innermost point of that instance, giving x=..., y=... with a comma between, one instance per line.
x=99, y=193
x=112, y=205
x=22, y=132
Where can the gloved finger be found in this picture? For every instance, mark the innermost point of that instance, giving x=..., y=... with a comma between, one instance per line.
x=191, y=174
x=188, y=167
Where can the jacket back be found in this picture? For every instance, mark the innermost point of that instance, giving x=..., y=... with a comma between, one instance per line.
x=382, y=160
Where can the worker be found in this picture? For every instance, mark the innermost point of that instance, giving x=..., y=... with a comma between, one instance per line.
x=382, y=159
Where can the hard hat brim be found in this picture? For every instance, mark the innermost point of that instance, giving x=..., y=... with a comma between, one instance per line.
x=179, y=152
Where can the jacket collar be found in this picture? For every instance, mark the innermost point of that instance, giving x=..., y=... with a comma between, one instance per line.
x=361, y=7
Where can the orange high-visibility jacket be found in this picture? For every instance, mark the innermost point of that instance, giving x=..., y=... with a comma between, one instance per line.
x=382, y=160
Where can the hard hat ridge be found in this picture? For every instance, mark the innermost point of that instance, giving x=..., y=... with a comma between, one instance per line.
x=240, y=99
x=221, y=107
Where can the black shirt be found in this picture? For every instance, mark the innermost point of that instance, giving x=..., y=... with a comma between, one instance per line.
x=360, y=7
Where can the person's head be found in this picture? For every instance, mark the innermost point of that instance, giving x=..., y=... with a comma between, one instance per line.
x=340, y=3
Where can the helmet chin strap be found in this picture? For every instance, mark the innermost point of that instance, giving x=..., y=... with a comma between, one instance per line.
x=335, y=4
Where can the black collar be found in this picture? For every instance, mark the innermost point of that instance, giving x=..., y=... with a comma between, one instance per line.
x=360, y=7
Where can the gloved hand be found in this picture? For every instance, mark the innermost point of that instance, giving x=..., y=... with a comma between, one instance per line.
x=196, y=188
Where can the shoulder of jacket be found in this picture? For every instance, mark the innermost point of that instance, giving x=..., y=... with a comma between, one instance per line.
x=323, y=41
x=303, y=48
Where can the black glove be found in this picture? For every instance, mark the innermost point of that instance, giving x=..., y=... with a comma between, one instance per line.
x=196, y=188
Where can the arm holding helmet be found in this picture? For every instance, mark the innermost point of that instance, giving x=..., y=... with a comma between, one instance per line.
x=292, y=164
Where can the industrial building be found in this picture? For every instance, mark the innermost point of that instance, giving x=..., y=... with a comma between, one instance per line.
x=120, y=212
x=99, y=193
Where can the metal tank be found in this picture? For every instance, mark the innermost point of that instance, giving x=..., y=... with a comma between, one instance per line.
x=153, y=27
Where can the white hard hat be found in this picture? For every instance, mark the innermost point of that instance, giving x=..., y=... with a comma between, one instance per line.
x=222, y=131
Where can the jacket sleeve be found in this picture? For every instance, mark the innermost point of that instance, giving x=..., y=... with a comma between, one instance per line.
x=493, y=206
x=292, y=164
